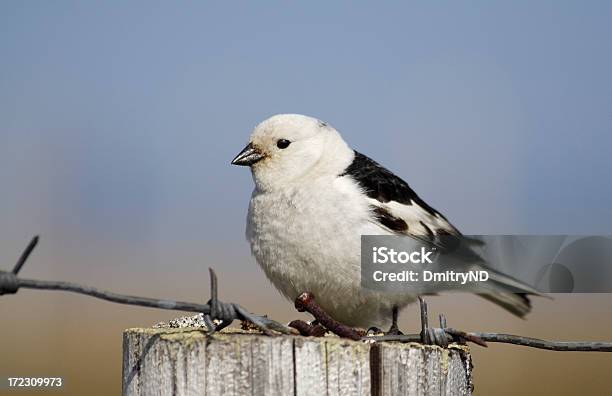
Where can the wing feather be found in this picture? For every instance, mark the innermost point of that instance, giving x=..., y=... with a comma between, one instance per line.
x=395, y=205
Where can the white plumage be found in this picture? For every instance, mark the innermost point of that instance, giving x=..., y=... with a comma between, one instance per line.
x=314, y=197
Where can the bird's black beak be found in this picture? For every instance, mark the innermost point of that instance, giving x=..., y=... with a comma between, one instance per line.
x=248, y=156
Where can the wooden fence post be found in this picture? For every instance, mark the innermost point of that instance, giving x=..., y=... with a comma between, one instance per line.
x=187, y=361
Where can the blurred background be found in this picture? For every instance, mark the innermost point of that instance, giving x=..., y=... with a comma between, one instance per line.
x=118, y=121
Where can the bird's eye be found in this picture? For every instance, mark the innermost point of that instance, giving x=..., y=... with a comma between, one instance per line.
x=282, y=143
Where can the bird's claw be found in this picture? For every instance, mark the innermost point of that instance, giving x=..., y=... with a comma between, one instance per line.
x=394, y=330
x=374, y=331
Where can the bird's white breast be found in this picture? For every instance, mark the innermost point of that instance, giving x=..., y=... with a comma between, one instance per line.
x=308, y=238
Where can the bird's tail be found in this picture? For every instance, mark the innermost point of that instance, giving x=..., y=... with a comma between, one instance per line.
x=510, y=294
x=515, y=303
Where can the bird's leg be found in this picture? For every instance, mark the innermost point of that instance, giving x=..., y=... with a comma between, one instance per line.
x=306, y=302
x=394, y=330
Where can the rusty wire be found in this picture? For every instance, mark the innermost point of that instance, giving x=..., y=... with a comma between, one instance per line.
x=226, y=313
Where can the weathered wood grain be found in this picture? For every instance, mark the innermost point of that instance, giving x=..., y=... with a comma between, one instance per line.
x=414, y=369
x=189, y=362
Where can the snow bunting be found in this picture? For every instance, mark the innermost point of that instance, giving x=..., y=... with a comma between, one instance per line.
x=314, y=197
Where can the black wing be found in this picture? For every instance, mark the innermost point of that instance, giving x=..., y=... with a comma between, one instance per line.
x=395, y=205
x=381, y=184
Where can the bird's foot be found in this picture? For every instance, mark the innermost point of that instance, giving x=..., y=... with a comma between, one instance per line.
x=374, y=331
x=305, y=302
x=394, y=330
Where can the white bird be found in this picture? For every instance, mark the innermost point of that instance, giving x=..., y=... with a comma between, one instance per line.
x=314, y=197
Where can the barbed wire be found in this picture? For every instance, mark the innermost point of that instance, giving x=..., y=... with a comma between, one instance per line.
x=226, y=313
x=444, y=335
x=215, y=309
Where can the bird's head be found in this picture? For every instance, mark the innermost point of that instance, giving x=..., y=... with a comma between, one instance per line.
x=288, y=148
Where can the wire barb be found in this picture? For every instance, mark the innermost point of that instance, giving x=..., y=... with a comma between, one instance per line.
x=424, y=321
x=433, y=335
x=26, y=253
x=212, y=303
x=442, y=321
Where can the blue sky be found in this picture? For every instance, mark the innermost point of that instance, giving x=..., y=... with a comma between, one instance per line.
x=118, y=120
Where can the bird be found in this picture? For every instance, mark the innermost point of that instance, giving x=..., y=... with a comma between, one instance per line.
x=314, y=198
